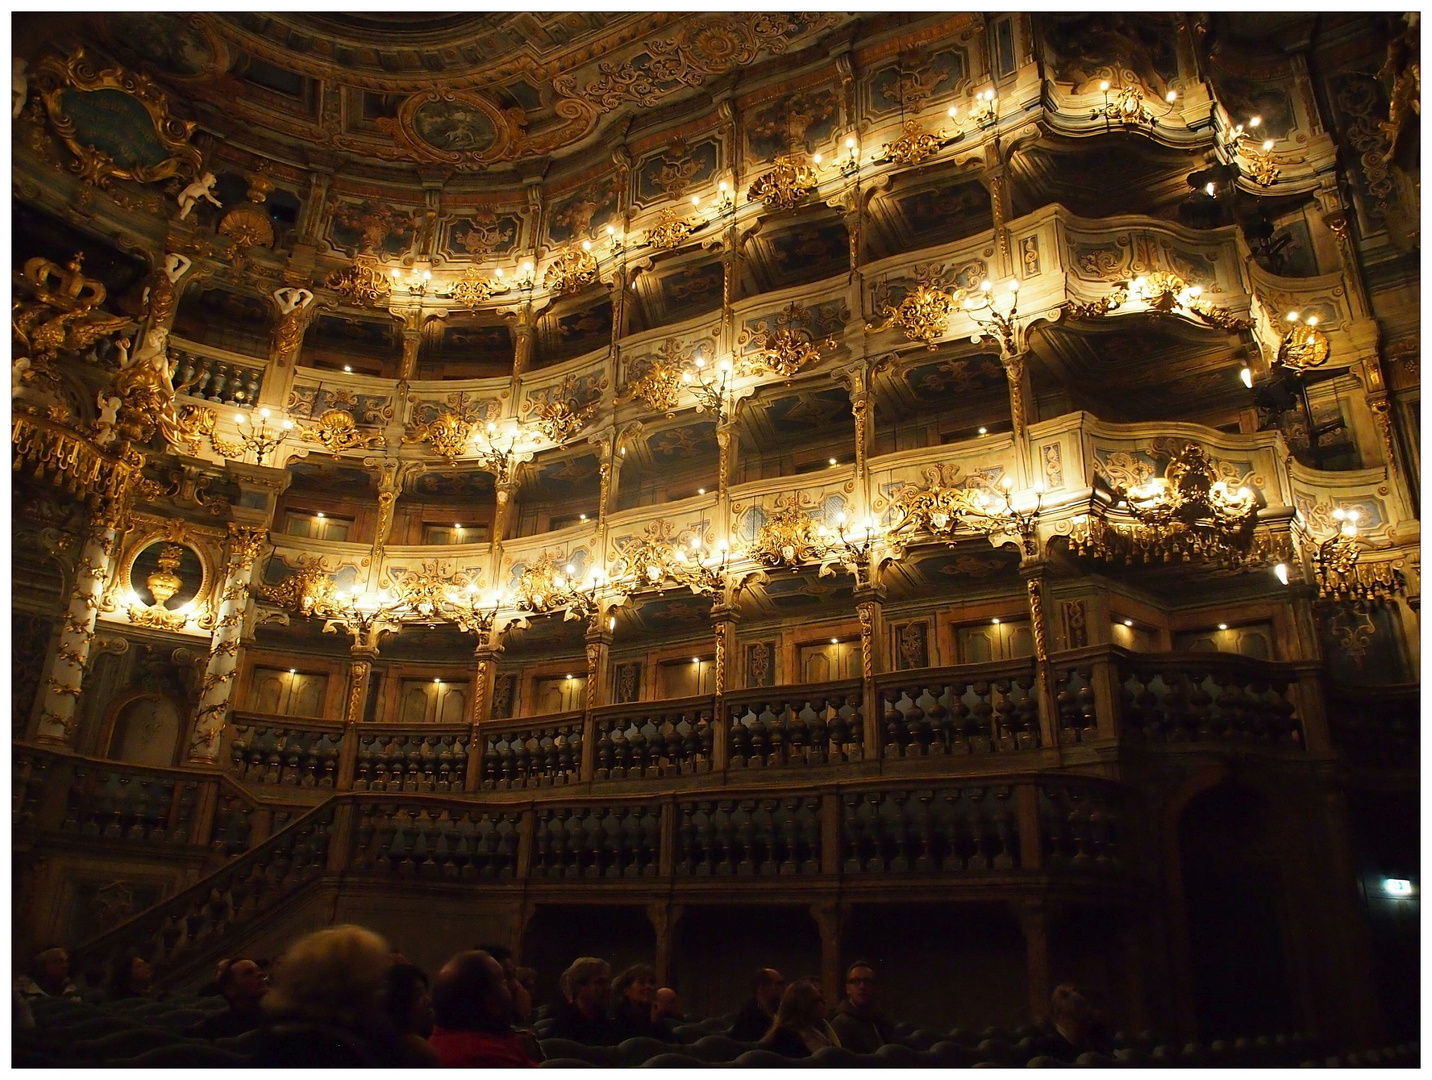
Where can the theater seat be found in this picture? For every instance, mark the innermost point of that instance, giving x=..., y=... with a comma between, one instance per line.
x=197, y=1055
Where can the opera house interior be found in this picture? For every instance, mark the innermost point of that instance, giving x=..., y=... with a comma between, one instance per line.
x=727, y=490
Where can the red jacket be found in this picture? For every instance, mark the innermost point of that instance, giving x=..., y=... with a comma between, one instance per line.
x=467, y=1049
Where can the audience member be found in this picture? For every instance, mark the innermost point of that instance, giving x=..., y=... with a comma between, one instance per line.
x=243, y=986
x=754, y=1019
x=130, y=977
x=634, y=994
x=409, y=1008
x=521, y=997
x=474, y=1012
x=47, y=976
x=325, y=1008
x=799, y=1029
x=582, y=1017
x=666, y=1007
x=861, y=1029
x=1078, y=1025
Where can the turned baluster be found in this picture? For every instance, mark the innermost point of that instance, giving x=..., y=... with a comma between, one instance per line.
x=604, y=751
x=686, y=842
x=776, y=733
x=980, y=727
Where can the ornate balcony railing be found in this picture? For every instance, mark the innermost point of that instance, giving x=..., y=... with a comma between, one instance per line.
x=1209, y=698
x=1378, y=726
x=655, y=739
x=820, y=724
x=215, y=375
x=293, y=753
x=947, y=712
x=403, y=759
x=541, y=752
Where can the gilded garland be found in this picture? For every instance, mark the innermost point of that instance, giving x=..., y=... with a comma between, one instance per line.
x=570, y=271
x=785, y=348
x=361, y=284
x=788, y=182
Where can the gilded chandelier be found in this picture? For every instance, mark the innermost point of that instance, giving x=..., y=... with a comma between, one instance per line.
x=1341, y=574
x=1188, y=514
x=944, y=512
x=260, y=440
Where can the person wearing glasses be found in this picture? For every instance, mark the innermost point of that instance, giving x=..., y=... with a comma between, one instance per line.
x=861, y=1028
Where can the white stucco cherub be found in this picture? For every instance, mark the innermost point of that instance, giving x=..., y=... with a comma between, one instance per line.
x=202, y=188
x=19, y=87
x=104, y=432
x=19, y=376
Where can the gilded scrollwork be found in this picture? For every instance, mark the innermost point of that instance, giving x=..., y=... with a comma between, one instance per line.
x=362, y=283
x=784, y=346
x=336, y=431
x=86, y=107
x=786, y=184
x=571, y=271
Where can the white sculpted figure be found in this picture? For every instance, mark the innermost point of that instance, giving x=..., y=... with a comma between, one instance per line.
x=202, y=188
x=104, y=432
x=19, y=87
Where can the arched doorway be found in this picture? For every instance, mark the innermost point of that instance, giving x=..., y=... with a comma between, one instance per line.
x=1232, y=884
x=145, y=732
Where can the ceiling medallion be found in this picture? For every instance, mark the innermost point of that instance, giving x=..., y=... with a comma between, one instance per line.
x=570, y=271
x=362, y=283
x=337, y=431
x=913, y=147
x=922, y=315
x=115, y=122
x=671, y=231
x=1188, y=514
x=788, y=182
x=475, y=288
x=789, y=347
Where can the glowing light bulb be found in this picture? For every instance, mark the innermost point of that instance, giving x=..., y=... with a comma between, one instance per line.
x=1267, y=144
x=500, y=272
x=586, y=245
x=611, y=230
x=1223, y=626
x=1281, y=570
x=1104, y=86
x=995, y=622
x=427, y=275
x=833, y=461
x=264, y=413
x=816, y=158
x=239, y=419
x=954, y=109
x=985, y=285
x=288, y=425
x=396, y=275
x=1292, y=316
x=348, y=368
x=1255, y=121
x=612, y=623
x=1007, y=483
x=701, y=491
x=1013, y=286
x=1171, y=96
x=569, y=568
x=320, y=513
x=1312, y=320
x=1128, y=622
x=850, y=143
x=1247, y=376
x=1210, y=188
x=984, y=431
x=721, y=186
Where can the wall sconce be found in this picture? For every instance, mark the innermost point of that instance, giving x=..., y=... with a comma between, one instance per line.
x=711, y=388
x=984, y=112
x=416, y=282
x=492, y=456
x=1254, y=159
x=1003, y=325
x=261, y=441
x=1304, y=345
x=1129, y=107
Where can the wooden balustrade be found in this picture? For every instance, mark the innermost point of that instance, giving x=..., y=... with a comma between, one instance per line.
x=186, y=930
x=426, y=759
x=439, y=843
x=602, y=843
x=1207, y=697
x=943, y=712
x=1079, y=823
x=653, y=739
x=819, y=724
x=932, y=829
x=293, y=753
x=777, y=836
x=125, y=803
x=1378, y=726
x=530, y=753
x=224, y=378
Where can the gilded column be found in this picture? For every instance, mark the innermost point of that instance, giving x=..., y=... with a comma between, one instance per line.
x=58, y=721
x=1048, y=706
x=161, y=297
x=360, y=670
x=522, y=356
x=869, y=607
x=218, y=686
x=412, y=342
x=599, y=640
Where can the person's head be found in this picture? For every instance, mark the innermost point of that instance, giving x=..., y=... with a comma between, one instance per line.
x=471, y=994
x=587, y=984
x=860, y=984
x=802, y=1005
x=1072, y=1012
x=406, y=999
x=242, y=984
x=131, y=974
x=666, y=1004
x=521, y=993
x=767, y=988
x=50, y=968
x=637, y=984
x=332, y=976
